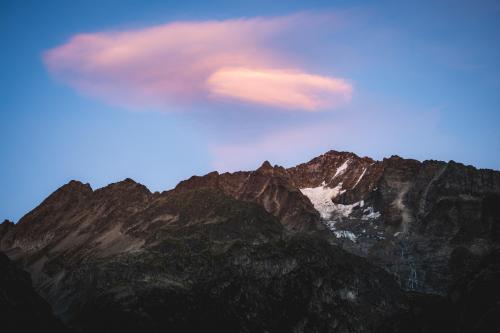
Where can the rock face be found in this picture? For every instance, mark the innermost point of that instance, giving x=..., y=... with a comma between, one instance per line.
x=21, y=308
x=191, y=260
x=429, y=223
x=472, y=305
x=268, y=186
x=340, y=243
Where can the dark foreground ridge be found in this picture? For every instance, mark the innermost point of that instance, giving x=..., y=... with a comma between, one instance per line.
x=21, y=308
x=337, y=244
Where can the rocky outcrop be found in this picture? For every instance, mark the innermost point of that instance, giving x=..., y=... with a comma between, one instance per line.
x=270, y=187
x=337, y=168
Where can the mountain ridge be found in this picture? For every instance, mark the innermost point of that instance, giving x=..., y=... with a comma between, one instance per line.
x=422, y=225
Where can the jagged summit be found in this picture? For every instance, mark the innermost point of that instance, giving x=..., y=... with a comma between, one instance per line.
x=336, y=153
x=265, y=166
x=73, y=186
x=7, y=222
x=323, y=168
x=127, y=185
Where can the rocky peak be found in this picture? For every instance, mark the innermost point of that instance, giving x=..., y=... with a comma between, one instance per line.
x=74, y=186
x=126, y=185
x=394, y=157
x=265, y=166
x=68, y=197
x=71, y=189
x=210, y=180
x=7, y=224
x=267, y=169
x=398, y=162
x=336, y=154
x=333, y=169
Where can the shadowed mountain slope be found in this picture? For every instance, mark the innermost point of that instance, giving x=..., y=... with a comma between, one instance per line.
x=21, y=308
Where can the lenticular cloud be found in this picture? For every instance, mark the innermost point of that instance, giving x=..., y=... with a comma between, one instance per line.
x=185, y=62
x=279, y=88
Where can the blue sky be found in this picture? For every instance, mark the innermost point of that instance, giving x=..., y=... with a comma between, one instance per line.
x=424, y=80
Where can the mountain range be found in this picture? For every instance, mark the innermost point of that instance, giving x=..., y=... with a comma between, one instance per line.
x=341, y=243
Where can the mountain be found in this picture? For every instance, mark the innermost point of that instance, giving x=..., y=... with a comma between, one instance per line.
x=341, y=243
x=429, y=223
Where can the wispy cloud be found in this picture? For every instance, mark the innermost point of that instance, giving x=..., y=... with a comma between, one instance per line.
x=184, y=62
x=277, y=147
x=377, y=133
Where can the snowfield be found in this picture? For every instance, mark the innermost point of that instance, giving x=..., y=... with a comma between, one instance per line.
x=321, y=198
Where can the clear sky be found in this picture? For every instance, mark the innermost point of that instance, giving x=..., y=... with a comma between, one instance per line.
x=158, y=91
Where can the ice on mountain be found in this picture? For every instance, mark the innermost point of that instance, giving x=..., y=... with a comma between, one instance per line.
x=321, y=198
x=360, y=177
x=370, y=214
x=345, y=234
x=341, y=169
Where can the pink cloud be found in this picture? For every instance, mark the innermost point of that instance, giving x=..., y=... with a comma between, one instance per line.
x=186, y=62
x=279, y=88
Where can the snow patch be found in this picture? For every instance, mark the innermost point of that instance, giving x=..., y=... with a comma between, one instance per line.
x=345, y=234
x=346, y=210
x=370, y=214
x=321, y=198
x=362, y=174
x=341, y=169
